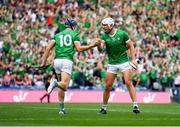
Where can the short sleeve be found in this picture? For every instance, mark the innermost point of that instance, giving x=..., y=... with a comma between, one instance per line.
x=102, y=37
x=76, y=38
x=126, y=37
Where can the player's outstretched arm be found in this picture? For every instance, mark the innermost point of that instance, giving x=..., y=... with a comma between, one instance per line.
x=81, y=48
x=46, y=54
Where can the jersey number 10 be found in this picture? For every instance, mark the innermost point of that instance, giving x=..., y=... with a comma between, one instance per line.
x=65, y=40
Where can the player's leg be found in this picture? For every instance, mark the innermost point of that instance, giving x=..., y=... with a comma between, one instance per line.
x=63, y=70
x=56, y=75
x=53, y=84
x=63, y=85
x=66, y=70
x=128, y=81
x=110, y=77
x=48, y=98
x=109, y=83
x=41, y=99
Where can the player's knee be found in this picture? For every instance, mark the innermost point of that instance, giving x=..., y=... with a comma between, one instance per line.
x=108, y=83
x=128, y=82
x=108, y=88
x=63, y=86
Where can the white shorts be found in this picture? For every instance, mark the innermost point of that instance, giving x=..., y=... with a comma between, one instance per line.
x=118, y=67
x=63, y=65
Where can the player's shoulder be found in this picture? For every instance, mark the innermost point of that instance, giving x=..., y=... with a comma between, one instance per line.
x=122, y=33
x=59, y=33
x=104, y=35
x=72, y=32
x=56, y=36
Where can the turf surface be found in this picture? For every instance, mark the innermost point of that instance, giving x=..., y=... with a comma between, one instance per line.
x=86, y=115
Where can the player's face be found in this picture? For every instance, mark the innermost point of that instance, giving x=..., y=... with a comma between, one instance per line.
x=106, y=28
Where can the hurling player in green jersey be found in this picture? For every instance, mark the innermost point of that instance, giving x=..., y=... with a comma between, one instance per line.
x=117, y=43
x=66, y=43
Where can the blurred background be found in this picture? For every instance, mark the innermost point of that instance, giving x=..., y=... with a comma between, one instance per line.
x=27, y=26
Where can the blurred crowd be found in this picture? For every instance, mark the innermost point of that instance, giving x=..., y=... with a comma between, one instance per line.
x=27, y=26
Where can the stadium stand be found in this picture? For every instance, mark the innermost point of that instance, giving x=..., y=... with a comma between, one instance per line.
x=27, y=27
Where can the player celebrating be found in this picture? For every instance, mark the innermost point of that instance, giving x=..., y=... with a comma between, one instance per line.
x=117, y=43
x=65, y=43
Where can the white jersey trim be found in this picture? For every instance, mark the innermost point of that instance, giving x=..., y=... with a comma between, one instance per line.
x=113, y=34
x=76, y=41
x=128, y=41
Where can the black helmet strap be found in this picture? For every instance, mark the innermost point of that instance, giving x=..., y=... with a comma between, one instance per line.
x=70, y=24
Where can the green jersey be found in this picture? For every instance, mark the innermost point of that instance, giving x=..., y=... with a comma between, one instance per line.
x=116, y=46
x=64, y=44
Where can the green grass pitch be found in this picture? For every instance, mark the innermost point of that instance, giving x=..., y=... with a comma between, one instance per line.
x=86, y=115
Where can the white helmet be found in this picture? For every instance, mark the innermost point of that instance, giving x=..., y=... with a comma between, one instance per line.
x=108, y=21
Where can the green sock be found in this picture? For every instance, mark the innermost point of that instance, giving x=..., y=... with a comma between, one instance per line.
x=61, y=105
